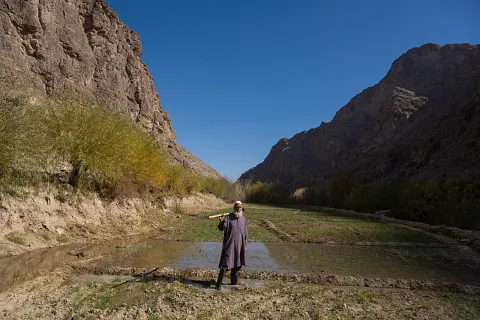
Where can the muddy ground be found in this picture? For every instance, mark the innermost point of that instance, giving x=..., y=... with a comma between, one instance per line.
x=302, y=264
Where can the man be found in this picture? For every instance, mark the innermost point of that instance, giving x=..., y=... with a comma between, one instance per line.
x=235, y=234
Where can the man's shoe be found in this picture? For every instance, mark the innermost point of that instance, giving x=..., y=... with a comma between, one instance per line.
x=220, y=279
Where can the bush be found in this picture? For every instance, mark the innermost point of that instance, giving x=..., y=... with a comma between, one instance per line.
x=103, y=146
x=233, y=191
x=182, y=181
x=271, y=193
x=213, y=186
x=22, y=151
x=451, y=203
x=340, y=188
x=106, y=152
x=318, y=194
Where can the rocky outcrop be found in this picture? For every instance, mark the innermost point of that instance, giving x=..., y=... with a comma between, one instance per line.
x=421, y=121
x=80, y=47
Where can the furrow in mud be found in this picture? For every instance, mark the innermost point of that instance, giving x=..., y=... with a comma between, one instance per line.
x=279, y=233
x=208, y=275
x=400, y=244
x=468, y=237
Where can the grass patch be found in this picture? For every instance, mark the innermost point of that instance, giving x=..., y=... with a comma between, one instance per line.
x=349, y=231
x=15, y=238
x=257, y=232
x=103, y=301
x=306, y=226
x=200, y=228
x=352, y=235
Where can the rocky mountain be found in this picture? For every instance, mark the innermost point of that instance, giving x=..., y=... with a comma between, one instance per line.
x=80, y=47
x=421, y=121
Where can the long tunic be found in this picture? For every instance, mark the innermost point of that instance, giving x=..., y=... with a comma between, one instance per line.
x=235, y=234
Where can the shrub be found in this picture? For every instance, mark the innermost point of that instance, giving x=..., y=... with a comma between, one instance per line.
x=340, y=188
x=22, y=151
x=103, y=144
x=318, y=194
x=107, y=153
x=214, y=186
x=452, y=203
x=272, y=193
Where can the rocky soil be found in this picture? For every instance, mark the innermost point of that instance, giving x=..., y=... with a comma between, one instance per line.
x=62, y=296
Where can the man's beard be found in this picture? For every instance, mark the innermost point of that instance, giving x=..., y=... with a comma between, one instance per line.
x=238, y=214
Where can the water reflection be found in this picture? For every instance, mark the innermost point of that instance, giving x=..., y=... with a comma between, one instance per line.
x=147, y=253
x=207, y=255
x=423, y=263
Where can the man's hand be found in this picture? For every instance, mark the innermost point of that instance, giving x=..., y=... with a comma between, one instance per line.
x=221, y=219
x=246, y=248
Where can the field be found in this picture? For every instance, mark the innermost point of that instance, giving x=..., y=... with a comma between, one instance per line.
x=301, y=264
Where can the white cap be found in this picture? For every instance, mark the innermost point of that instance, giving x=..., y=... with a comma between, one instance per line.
x=237, y=202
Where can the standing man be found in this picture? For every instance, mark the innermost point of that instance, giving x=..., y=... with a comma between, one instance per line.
x=235, y=234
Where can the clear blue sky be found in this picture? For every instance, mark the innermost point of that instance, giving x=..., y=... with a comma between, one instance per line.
x=236, y=76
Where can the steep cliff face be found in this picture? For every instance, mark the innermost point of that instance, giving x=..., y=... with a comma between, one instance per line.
x=80, y=47
x=421, y=121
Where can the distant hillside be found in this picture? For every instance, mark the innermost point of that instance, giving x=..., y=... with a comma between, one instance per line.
x=421, y=121
x=81, y=48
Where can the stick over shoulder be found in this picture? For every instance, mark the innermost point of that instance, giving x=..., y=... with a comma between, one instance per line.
x=219, y=215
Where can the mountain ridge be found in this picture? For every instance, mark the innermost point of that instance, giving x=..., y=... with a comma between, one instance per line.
x=378, y=135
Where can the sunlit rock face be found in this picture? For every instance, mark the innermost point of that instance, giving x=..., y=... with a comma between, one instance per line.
x=80, y=47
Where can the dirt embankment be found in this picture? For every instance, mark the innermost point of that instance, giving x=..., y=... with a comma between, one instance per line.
x=197, y=202
x=50, y=217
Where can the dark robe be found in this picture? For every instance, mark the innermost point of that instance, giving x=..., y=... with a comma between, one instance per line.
x=235, y=234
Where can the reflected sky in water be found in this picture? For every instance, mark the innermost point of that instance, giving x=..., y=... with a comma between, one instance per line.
x=207, y=255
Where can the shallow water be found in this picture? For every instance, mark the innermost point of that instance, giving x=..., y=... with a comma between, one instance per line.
x=423, y=263
x=444, y=264
x=207, y=255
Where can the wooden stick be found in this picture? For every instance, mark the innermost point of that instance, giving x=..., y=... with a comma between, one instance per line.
x=219, y=215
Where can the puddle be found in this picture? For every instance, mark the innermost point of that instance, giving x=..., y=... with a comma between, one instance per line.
x=151, y=253
x=103, y=278
x=206, y=255
x=421, y=263
x=443, y=264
